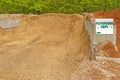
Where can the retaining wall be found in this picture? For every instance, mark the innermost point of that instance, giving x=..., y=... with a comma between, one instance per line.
x=97, y=38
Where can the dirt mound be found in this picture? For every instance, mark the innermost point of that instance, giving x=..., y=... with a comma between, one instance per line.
x=43, y=47
x=109, y=49
x=112, y=14
x=106, y=49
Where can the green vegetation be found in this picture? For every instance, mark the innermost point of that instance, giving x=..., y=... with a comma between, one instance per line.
x=57, y=6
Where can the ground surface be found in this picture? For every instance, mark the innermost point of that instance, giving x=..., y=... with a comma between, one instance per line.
x=51, y=47
x=98, y=70
x=45, y=47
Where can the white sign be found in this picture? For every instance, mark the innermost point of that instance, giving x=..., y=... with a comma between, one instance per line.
x=104, y=26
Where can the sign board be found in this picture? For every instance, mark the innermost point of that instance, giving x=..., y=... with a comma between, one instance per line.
x=104, y=26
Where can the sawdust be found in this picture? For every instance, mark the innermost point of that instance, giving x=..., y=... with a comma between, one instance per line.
x=43, y=47
x=115, y=14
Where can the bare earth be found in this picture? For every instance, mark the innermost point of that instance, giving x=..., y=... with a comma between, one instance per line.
x=51, y=47
x=45, y=47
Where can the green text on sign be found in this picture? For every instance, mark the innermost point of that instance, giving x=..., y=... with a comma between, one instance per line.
x=104, y=23
x=104, y=26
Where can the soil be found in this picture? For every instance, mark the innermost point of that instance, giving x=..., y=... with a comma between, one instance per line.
x=97, y=70
x=53, y=47
x=43, y=47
